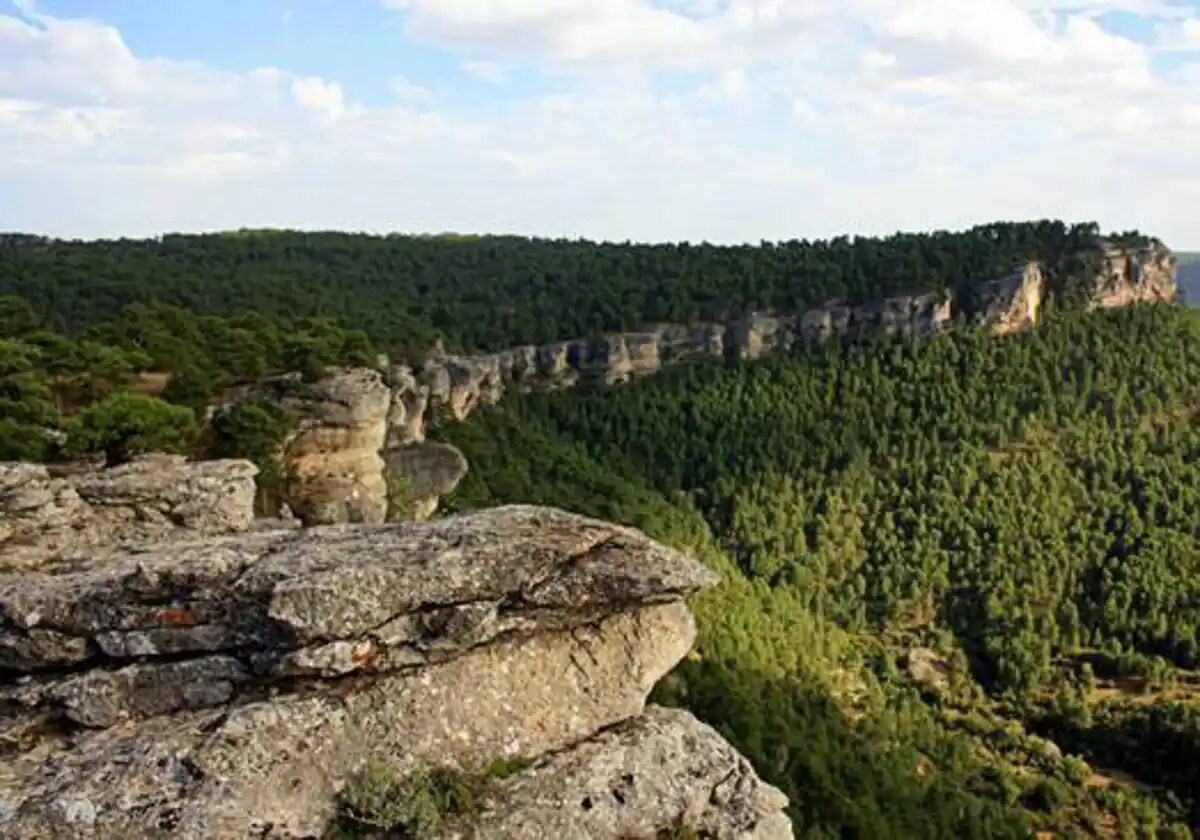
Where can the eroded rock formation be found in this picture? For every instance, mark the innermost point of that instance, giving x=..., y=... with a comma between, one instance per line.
x=48, y=519
x=231, y=688
x=1139, y=275
x=421, y=474
x=363, y=435
x=332, y=464
x=452, y=387
x=1010, y=304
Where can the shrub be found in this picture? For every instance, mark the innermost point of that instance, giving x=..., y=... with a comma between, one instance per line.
x=376, y=801
x=124, y=425
x=400, y=503
x=254, y=430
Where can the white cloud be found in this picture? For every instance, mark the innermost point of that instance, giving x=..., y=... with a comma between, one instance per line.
x=492, y=72
x=1183, y=36
x=320, y=95
x=793, y=118
x=407, y=91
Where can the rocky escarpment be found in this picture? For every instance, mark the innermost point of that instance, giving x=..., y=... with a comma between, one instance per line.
x=360, y=453
x=47, y=518
x=1128, y=276
x=451, y=387
x=232, y=688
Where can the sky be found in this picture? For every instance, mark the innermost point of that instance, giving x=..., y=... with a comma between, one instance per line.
x=645, y=120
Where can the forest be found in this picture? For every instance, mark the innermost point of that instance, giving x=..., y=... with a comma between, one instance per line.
x=1022, y=512
x=962, y=575
x=487, y=293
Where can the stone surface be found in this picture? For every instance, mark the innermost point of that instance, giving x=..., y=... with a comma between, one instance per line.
x=153, y=499
x=229, y=688
x=1010, y=304
x=1134, y=275
x=428, y=471
x=278, y=762
x=332, y=463
x=661, y=772
x=422, y=590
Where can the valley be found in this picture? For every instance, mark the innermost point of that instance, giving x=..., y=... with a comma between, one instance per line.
x=950, y=482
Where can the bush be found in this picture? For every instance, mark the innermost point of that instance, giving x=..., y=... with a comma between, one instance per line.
x=125, y=425
x=254, y=430
x=401, y=506
x=376, y=801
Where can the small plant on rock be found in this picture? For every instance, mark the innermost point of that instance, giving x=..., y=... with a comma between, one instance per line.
x=376, y=803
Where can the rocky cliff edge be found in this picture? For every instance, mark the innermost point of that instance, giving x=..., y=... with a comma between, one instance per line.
x=233, y=687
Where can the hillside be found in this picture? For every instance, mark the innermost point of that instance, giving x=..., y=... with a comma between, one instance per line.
x=935, y=553
x=488, y=293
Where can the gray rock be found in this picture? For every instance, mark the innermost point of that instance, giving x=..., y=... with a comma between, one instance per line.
x=285, y=591
x=246, y=679
x=430, y=471
x=279, y=762
x=153, y=499
x=660, y=772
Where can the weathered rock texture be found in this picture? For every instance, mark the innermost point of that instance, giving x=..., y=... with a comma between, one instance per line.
x=46, y=519
x=419, y=475
x=230, y=688
x=332, y=464
x=1010, y=304
x=1129, y=276
x=662, y=770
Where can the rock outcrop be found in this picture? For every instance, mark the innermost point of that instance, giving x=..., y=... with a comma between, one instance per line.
x=421, y=473
x=48, y=519
x=332, y=464
x=1138, y=275
x=231, y=688
x=662, y=770
x=451, y=387
x=1010, y=304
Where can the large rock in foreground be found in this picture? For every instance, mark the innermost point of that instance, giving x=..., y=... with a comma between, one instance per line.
x=231, y=688
x=662, y=772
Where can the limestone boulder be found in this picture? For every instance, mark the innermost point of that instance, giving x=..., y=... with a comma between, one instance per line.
x=230, y=688
x=661, y=774
x=47, y=519
x=426, y=472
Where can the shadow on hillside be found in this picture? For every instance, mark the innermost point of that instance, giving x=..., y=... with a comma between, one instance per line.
x=844, y=778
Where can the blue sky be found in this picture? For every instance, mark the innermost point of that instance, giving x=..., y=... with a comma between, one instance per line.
x=726, y=120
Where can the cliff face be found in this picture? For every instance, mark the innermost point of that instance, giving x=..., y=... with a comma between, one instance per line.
x=1010, y=304
x=452, y=387
x=1130, y=276
x=360, y=450
x=231, y=688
